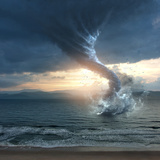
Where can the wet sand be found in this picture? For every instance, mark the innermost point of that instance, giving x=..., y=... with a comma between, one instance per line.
x=75, y=154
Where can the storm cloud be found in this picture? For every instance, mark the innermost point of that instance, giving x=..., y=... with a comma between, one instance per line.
x=36, y=35
x=6, y=84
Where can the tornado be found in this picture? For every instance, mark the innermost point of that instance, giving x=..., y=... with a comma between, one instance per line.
x=85, y=54
x=77, y=34
x=91, y=62
x=74, y=27
x=103, y=71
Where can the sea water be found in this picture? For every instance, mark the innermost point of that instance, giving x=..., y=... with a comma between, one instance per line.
x=66, y=123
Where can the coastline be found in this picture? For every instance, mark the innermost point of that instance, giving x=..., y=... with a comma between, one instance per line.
x=90, y=153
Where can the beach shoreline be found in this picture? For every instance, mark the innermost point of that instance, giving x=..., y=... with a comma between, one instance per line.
x=80, y=148
x=78, y=153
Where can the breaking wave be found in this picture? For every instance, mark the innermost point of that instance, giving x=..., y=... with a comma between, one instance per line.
x=50, y=137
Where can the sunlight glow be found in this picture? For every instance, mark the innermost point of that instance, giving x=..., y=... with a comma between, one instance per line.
x=85, y=79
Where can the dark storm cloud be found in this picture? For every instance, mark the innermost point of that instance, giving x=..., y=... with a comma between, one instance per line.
x=132, y=39
x=35, y=35
x=21, y=57
x=7, y=84
x=12, y=80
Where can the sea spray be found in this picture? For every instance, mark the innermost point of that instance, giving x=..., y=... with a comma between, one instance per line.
x=124, y=101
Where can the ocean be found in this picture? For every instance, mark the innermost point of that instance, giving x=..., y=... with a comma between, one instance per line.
x=66, y=123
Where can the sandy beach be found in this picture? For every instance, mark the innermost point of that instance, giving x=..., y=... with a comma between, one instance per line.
x=75, y=153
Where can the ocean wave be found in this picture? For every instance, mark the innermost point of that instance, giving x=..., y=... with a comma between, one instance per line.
x=9, y=132
x=26, y=136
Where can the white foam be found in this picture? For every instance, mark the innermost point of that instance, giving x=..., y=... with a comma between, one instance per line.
x=9, y=132
x=121, y=102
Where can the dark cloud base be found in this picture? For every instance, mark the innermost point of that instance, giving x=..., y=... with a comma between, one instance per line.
x=7, y=84
x=37, y=35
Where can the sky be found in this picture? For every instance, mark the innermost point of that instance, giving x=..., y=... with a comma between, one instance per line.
x=43, y=43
